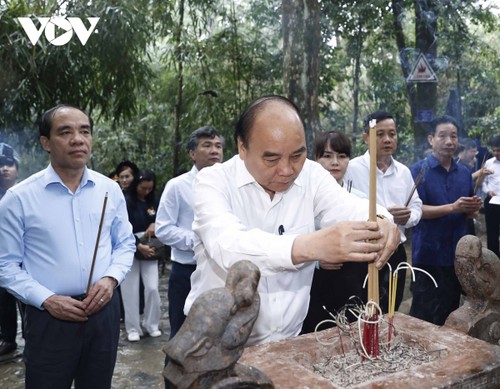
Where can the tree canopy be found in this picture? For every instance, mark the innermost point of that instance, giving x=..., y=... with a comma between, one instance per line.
x=154, y=71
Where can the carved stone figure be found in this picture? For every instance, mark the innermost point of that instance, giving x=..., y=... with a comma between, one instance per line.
x=205, y=351
x=478, y=270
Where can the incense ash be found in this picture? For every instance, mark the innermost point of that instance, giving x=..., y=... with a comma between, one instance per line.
x=348, y=369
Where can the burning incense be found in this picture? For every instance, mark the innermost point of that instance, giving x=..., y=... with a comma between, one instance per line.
x=97, y=241
x=415, y=185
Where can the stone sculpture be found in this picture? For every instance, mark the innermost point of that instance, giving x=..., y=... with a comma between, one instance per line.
x=478, y=270
x=205, y=351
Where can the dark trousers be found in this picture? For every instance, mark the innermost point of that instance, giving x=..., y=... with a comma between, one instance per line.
x=179, y=286
x=333, y=289
x=58, y=352
x=8, y=316
x=435, y=304
x=492, y=217
x=398, y=257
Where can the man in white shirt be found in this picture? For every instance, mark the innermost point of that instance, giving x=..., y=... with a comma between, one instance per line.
x=272, y=206
x=174, y=220
x=394, y=186
x=491, y=186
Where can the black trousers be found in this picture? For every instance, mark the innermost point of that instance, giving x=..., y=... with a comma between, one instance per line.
x=179, y=286
x=398, y=257
x=492, y=217
x=332, y=289
x=435, y=304
x=59, y=352
x=8, y=316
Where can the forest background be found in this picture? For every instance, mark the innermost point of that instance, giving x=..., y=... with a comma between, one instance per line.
x=153, y=71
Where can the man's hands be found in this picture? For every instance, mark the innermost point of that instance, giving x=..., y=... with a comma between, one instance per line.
x=468, y=205
x=99, y=295
x=67, y=308
x=400, y=214
x=349, y=241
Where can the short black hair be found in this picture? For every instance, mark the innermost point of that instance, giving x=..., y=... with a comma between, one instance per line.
x=466, y=144
x=495, y=141
x=378, y=116
x=337, y=140
x=45, y=123
x=202, y=132
x=125, y=165
x=247, y=118
x=445, y=119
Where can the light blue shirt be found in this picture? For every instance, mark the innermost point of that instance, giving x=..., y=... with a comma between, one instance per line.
x=48, y=235
x=174, y=219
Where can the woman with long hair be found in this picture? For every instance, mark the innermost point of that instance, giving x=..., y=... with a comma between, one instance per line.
x=142, y=205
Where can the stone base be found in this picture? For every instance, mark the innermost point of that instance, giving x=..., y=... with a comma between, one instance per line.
x=465, y=362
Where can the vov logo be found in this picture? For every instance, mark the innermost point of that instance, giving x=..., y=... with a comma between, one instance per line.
x=49, y=25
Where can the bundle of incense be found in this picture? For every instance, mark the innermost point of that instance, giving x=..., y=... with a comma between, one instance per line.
x=415, y=185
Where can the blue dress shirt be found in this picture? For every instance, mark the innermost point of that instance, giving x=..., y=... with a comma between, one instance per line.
x=48, y=236
x=435, y=240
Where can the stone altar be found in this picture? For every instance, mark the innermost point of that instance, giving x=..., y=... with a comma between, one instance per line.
x=464, y=362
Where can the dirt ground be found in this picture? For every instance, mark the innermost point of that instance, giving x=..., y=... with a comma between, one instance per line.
x=140, y=364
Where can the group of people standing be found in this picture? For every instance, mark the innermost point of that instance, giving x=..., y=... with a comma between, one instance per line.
x=73, y=236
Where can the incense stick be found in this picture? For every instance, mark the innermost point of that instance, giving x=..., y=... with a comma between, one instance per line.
x=481, y=174
x=372, y=214
x=415, y=185
x=97, y=241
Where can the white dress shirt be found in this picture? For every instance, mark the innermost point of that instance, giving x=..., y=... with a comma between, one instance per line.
x=491, y=182
x=48, y=236
x=393, y=187
x=174, y=218
x=236, y=219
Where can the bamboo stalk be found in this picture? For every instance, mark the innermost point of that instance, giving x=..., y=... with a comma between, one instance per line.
x=97, y=241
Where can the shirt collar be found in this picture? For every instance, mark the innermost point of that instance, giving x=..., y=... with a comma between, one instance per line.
x=392, y=167
x=51, y=177
x=433, y=163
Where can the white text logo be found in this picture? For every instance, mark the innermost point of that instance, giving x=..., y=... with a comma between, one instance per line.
x=49, y=25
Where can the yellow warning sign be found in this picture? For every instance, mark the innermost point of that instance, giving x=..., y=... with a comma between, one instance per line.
x=422, y=71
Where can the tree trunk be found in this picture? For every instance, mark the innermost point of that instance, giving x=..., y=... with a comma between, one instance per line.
x=426, y=15
x=423, y=96
x=355, y=83
x=180, y=86
x=301, y=43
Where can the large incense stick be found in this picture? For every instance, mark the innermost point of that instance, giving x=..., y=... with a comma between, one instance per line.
x=372, y=214
x=97, y=241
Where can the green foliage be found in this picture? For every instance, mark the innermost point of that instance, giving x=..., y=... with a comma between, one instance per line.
x=127, y=75
x=101, y=77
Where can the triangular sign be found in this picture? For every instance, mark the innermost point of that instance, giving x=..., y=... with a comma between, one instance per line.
x=422, y=71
